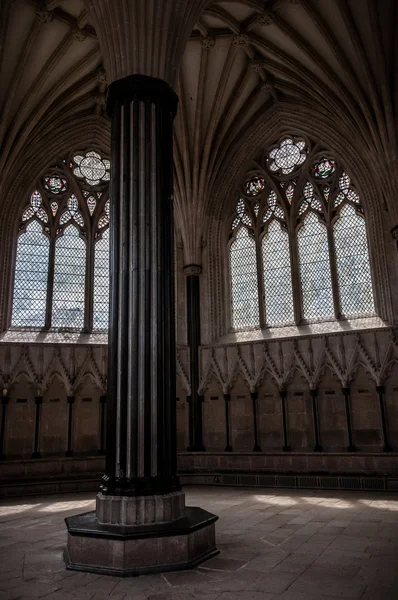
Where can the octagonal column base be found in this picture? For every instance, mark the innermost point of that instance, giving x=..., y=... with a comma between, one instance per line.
x=138, y=550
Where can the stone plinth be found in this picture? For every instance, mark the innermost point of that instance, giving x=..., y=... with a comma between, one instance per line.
x=140, y=510
x=137, y=550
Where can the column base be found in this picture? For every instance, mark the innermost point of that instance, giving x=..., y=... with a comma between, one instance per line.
x=129, y=551
x=139, y=510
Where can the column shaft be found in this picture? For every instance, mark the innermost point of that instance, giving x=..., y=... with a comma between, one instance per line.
x=283, y=396
x=347, y=401
x=4, y=403
x=256, y=447
x=386, y=441
x=38, y=402
x=228, y=447
x=314, y=396
x=141, y=455
x=193, y=323
x=71, y=400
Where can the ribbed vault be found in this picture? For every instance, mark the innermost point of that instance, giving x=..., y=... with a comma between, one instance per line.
x=333, y=59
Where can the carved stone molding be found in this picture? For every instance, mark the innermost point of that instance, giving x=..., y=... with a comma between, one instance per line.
x=208, y=42
x=192, y=270
x=240, y=40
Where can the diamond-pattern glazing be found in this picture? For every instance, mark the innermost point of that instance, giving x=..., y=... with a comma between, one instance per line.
x=277, y=276
x=316, y=281
x=69, y=280
x=101, y=282
x=244, y=284
x=352, y=260
x=31, y=275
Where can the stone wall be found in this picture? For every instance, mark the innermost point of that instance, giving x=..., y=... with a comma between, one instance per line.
x=53, y=388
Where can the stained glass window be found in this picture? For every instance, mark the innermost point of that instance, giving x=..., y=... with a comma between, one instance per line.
x=244, y=289
x=101, y=282
x=307, y=213
x=315, y=275
x=59, y=241
x=324, y=168
x=286, y=157
x=254, y=186
x=277, y=276
x=35, y=209
x=353, y=268
x=55, y=184
x=31, y=275
x=92, y=168
x=69, y=280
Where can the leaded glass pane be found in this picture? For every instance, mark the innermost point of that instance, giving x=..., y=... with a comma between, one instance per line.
x=353, y=268
x=101, y=282
x=31, y=273
x=316, y=281
x=277, y=276
x=69, y=280
x=244, y=286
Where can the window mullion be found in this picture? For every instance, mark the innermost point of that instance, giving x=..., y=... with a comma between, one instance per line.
x=333, y=269
x=297, y=297
x=260, y=283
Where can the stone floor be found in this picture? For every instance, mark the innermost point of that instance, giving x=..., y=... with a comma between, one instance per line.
x=275, y=545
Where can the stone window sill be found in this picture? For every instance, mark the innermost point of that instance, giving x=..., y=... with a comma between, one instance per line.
x=330, y=327
x=53, y=337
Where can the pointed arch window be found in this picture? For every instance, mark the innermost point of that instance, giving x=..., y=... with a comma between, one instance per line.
x=62, y=254
x=31, y=277
x=298, y=250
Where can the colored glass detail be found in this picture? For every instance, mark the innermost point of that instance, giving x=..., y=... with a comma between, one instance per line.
x=324, y=168
x=255, y=186
x=55, y=184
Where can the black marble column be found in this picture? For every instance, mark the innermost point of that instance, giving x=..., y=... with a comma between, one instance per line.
x=256, y=447
x=386, y=441
x=38, y=402
x=283, y=397
x=141, y=456
x=314, y=396
x=195, y=401
x=71, y=401
x=347, y=401
x=4, y=404
x=101, y=450
x=228, y=447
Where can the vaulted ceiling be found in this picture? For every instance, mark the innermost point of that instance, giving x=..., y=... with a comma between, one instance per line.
x=334, y=58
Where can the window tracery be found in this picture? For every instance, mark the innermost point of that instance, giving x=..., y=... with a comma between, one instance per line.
x=61, y=277
x=307, y=259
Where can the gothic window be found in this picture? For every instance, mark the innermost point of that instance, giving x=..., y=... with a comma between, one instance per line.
x=101, y=282
x=31, y=274
x=69, y=280
x=61, y=277
x=244, y=280
x=277, y=275
x=298, y=249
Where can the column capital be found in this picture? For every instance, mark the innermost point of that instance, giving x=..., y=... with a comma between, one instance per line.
x=144, y=37
x=141, y=87
x=192, y=270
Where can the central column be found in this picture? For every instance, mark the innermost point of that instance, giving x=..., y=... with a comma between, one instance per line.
x=141, y=441
x=141, y=505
